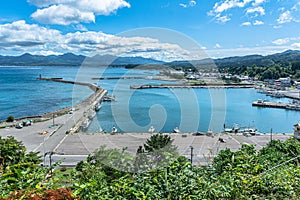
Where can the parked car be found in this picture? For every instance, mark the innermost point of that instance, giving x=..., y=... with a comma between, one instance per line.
x=19, y=126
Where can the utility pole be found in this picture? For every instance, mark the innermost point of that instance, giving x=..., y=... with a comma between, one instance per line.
x=192, y=148
x=271, y=134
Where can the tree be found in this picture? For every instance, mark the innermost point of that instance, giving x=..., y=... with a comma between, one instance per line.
x=10, y=119
x=158, y=151
x=13, y=152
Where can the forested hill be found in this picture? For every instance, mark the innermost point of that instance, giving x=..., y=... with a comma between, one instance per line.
x=284, y=59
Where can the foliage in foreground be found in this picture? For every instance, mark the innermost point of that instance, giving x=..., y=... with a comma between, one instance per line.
x=270, y=173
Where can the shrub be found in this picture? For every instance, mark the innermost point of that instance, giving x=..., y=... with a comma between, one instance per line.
x=10, y=119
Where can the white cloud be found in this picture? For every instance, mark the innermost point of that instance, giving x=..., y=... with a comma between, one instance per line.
x=218, y=46
x=296, y=45
x=19, y=33
x=259, y=10
x=285, y=17
x=284, y=41
x=228, y=4
x=257, y=22
x=80, y=27
x=258, y=2
x=225, y=5
x=65, y=12
x=281, y=41
x=19, y=37
x=296, y=7
x=183, y=5
x=246, y=24
x=62, y=15
x=192, y=3
x=222, y=19
x=46, y=3
x=46, y=53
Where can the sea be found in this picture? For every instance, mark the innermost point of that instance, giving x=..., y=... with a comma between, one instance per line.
x=191, y=110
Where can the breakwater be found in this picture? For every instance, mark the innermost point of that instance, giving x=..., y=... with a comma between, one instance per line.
x=268, y=104
x=88, y=105
x=192, y=86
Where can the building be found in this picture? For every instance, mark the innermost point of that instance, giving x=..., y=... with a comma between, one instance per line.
x=283, y=81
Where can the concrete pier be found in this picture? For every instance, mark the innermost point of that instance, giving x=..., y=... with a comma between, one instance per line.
x=89, y=103
x=268, y=104
x=192, y=86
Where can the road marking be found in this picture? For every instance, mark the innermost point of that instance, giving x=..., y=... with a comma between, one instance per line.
x=60, y=143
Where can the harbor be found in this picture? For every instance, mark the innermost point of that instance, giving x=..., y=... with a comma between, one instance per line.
x=72, y=146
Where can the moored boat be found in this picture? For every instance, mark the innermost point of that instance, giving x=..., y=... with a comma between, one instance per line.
x=151, y=129
x=176, y=130
x=97, y=107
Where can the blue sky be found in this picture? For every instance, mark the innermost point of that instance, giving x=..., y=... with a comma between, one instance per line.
x=218, y=28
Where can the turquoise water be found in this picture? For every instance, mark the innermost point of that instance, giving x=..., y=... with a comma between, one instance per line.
x=21, y=94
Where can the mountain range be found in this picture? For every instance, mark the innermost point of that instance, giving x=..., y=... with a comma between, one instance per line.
x=284, y=59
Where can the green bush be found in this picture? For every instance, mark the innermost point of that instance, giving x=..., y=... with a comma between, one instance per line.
x=10, y=119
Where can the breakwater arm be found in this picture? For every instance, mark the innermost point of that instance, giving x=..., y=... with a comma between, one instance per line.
x=87, y=105
x=192, y=86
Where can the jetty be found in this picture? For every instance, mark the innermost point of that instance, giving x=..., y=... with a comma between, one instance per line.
x=88, y=104
x=268, y=104
x=205, y=85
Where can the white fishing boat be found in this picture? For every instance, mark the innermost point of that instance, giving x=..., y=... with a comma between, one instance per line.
x=235, y=128
x=114, y=129
x=176, y=130
x=97, y=107
x=151, y=129
x=85, y=124
x=92, y=114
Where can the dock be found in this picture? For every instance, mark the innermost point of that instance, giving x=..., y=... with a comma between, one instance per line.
x=192, y=86
x=267, y=104
x=89, y=104
x=205, y=147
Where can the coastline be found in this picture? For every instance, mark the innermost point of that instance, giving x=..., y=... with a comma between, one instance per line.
x=60, y=112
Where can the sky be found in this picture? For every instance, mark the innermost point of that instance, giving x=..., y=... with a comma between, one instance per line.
x=160, y=29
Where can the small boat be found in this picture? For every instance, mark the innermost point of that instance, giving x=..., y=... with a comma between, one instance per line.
x=92, y=114
x=176, y=130
x=248, y=131
x=151, y=129
x=109, y=98
x=85, y=124
x=293, y=107
x=114, y=129
x=234, y=129
x=97, y=107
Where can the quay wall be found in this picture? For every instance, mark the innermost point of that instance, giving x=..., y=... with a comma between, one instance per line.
x=192, y=86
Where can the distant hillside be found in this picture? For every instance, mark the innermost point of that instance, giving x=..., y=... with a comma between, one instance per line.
x=284, y=59
x=69, y=59
x=27, y=59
